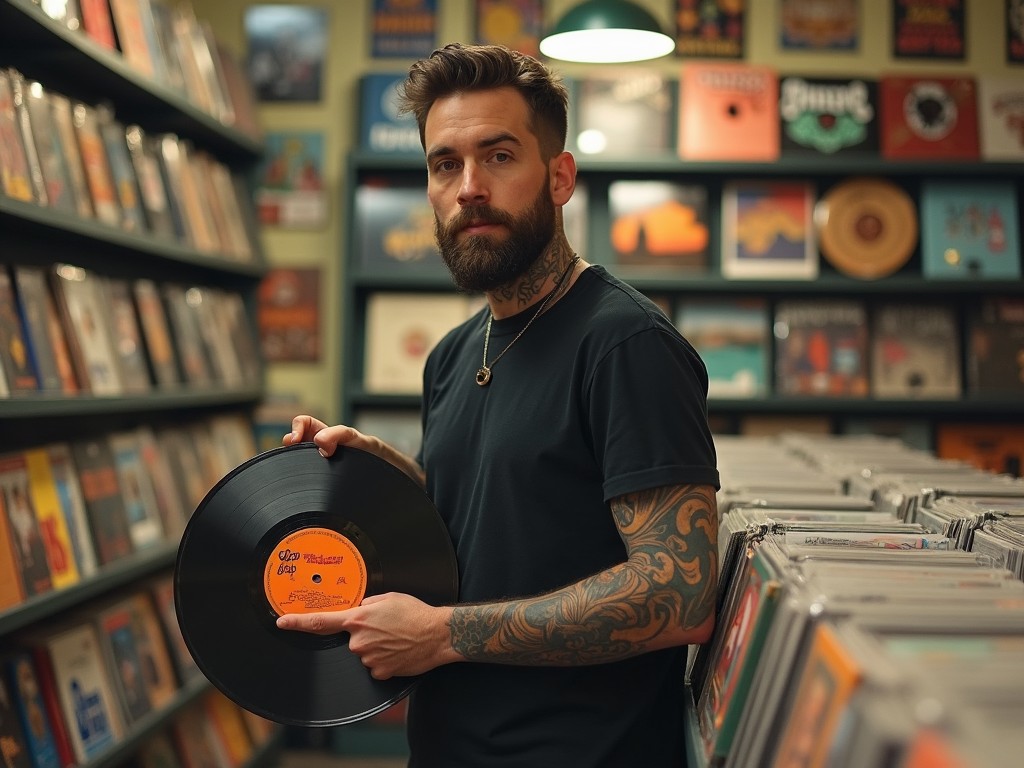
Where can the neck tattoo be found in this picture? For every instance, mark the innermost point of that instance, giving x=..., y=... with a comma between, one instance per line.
x=483, y=375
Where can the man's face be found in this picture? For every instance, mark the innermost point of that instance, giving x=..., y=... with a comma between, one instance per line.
x=489, y=187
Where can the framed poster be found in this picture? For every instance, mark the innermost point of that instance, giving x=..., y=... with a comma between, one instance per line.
x=710, y=30
x=516, y=24
x=819, y=25
x=1015, y=31
x=928, y=29
x=403, y=29
x=289, y=315
x=767, y=231
x=290, y=189
x=286, y=47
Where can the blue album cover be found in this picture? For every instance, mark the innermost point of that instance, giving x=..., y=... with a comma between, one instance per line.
x=970, y=230
x=28, y=701
x=381, y=128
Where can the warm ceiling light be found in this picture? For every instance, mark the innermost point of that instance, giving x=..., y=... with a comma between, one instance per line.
x=607, y=32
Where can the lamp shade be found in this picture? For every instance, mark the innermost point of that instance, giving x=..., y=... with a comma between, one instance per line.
x=607, y=32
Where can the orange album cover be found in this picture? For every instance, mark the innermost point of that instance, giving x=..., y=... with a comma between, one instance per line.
x=933, y=118
x=728, y=112
x=992, y=447
x=827, y=683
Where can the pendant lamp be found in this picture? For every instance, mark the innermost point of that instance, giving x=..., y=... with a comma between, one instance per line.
x=607, y=32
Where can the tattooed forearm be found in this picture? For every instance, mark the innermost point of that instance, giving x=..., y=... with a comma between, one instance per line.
x=662, y=595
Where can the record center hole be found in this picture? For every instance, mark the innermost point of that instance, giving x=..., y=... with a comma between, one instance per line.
x=316, y=578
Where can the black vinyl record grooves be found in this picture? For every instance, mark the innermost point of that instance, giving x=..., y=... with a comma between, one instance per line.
x=290, y=531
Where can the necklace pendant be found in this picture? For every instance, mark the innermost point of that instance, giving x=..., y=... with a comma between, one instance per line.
x=483, y=376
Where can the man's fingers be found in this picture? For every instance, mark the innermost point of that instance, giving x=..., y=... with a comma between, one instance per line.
x=314, y=623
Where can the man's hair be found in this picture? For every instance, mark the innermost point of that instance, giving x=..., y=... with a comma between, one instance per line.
x=458, y=68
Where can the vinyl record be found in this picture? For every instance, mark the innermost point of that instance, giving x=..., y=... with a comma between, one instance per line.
x=867, y=228
x=290, y=531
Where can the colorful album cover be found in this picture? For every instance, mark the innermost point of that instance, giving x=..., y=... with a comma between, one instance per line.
x=929, y=118
x=728, y=112
x=104, y=504
x=929, y=29
x=102, y=186
x=403, y=29
x=69, y=490
x=15, y=181
x=731, y=335
x=630, y=114
x=768, y=231
x=27, y=701
x=1001, y=117
x=156, y=332
x=122, y=172
x=117, y=639
x=12, y=735
x=515, y=24
x=52, y=162
x=289, y=315
x=290, y=191
x=915, y=352
x=970, y=230
x=394, y=226
x=991, y=447
x=828, y=116
x=819, y=25
x=29, y=547
x=659, y=224
x=126, y=335
x=286, y=49
x=49, y=354
x=821, y=348
x=15, y=353
x=144, y=524
x=19, y=87
x=995, y=347
x=710, y=30
x=381, y=127
x=60, y=552
x=82, y=307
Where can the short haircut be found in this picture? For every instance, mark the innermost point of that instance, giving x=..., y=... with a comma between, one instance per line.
x=458, y=68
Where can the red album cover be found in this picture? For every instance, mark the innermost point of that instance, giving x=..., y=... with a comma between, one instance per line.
x=728, y=112
x=933, y=118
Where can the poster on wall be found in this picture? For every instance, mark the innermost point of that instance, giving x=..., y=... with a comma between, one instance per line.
x=1015, y=31
x=928, y=29
x=286, y=46
x=289, y=315
x=516, y=24
x=819, y=25
x=712, y=30
x=290, y=191
x=403, y=29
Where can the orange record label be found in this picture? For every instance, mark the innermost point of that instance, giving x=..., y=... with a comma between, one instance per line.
x=314, y=569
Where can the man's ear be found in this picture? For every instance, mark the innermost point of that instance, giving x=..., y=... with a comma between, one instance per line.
x=563, y=178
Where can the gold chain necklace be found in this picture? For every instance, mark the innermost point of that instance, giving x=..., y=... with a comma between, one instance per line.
x=483, y=375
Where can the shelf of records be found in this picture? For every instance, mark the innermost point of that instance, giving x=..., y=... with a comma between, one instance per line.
x=76, y=341
x=113, y=683
x=684, y=230
x=83, y=515
x=737, y=113
x=792, y=354
x=155, y=58
x=870, y=605
x=73, y=168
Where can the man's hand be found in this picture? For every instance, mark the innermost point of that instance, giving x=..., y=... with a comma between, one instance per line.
x=393, y=634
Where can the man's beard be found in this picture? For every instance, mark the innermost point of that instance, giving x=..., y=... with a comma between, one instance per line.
x=480, y=263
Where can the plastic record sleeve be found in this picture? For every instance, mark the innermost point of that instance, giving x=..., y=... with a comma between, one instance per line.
x=290, y=531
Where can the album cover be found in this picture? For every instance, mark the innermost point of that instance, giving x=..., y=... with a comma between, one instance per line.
x=819, y=25
x=928, y=118
x=394, y=226
x=286, y=50
x=132, y=39
x=381, y=128
x=81, y=305
x=15, y=353
x=26, y=700
x=290, y=191
x=915, y=351
x=14, y=172
x=83, y=688
x=158, y=675
x=12, y=735
x=1001, y=118
x=821, y=348
x=401, y=329
x=188, y=338
x=153, y=195
x=710, y=30
x=189, y=732
x=29, y=549
x=162, y=591
x=65, y=477
x=47, y=343
x=516, y=24
x=97, y=477
x=97, y=23
x=768, y=230
x=166, y=490
x=732, y=337
x=929, y=30
x=125, y=335
x=53, y=527
x=995, y=346
x=659, y=224
x=216, y=336
x=52, y=162
x=144, y=525
x=156, y=332
x=179, y=447
x=98, y=176
x=12, y=592
x=970, y=230
x=67, y=141
x=728, y=112
x=992, y=447
x=19, y=89
x=289, y=314
x=118, y=644
x=227, y=730
x=828, y=116
x=628, y=114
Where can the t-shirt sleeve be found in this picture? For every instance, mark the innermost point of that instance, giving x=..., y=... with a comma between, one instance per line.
x=648, y=415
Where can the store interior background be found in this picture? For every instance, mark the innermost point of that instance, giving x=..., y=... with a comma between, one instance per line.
x=316, y=385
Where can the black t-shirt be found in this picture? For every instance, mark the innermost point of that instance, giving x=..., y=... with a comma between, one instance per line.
x=601, y=396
